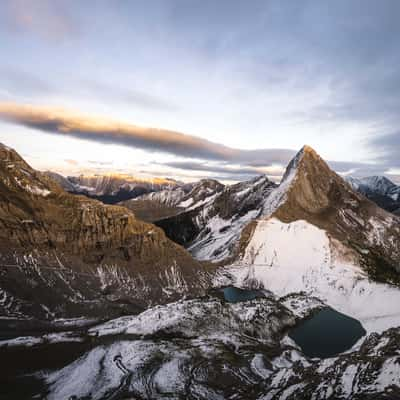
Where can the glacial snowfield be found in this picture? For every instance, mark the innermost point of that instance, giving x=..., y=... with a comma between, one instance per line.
x=296, y=257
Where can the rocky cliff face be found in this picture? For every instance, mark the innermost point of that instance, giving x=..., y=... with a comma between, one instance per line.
x=43, y=226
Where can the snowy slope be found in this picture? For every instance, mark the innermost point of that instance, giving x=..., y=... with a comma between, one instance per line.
x=168, y=197
x=297, y=256
x=222, y=218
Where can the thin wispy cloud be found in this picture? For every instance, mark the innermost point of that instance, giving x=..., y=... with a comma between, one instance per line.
x=127, y=95
x=16, y=81
x=46, y=18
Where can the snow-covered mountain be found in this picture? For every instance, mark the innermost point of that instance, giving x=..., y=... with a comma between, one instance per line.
x=165, y=203
x=379, y=189
x=211, y=228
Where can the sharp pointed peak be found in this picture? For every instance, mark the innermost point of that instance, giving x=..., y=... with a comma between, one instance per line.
x=305, y=153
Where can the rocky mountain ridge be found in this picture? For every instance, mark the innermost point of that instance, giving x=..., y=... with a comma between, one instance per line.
x=166, y=203
x=211, y=229
x=112, y=188
x=317, y=235
x=50, y=239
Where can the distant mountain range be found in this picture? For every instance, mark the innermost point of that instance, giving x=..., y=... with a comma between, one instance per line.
x=380, y=190
x=112, y=188
x=158, y=198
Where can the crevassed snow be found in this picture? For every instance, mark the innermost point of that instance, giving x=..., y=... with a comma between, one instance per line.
x=297, y=256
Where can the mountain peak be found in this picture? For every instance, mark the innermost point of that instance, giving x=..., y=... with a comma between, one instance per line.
x=309, y=186
x=306, y=155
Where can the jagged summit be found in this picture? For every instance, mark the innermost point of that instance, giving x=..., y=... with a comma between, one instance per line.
x=305, y=155
x=309, y=183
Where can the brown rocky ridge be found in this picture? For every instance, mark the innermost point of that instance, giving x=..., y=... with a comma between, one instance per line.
x=67, y=255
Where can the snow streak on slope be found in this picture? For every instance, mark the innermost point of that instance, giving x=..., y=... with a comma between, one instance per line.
x=221, y=235
x=168, y=197
x=298, y=256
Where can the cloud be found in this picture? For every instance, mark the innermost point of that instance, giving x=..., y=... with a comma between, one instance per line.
x=219, y=159
x=15, y=81
x=388, y=148
x=102, y=163
x=63, y=122
x=47, y=18
x=127, y=95
x=71, y=162
x=224, y=170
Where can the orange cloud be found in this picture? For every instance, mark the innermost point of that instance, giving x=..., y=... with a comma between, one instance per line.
x=65, y=122
x=62, y=121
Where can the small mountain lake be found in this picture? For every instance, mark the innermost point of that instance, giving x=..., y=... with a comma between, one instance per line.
x=327, y=333
x=233, y=294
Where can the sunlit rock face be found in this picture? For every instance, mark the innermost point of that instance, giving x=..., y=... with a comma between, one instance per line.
x=74, y=256
x=114, y=188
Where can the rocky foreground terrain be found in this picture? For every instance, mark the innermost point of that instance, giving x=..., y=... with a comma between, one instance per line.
x=205, y=349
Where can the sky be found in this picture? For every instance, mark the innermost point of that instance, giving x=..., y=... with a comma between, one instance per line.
x=189, y=89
